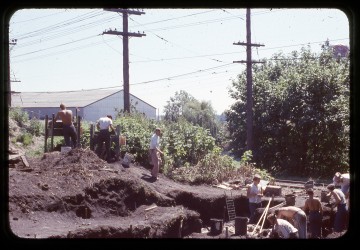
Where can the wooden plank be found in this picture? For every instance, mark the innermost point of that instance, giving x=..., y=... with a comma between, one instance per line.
x=223, y=187
x=23, y=158
x=149, y=208
x=14, y=156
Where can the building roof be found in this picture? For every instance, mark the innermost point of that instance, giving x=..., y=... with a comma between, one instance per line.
x=79, y=98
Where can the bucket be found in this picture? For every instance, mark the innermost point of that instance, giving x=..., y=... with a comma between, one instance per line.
x=65, y=149
x=324, y=197
x=290, y=200
x=128, y=158
x=122, y=140
x=241, y=225
x=216, y=226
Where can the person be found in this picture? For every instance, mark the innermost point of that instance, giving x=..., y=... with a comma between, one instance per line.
x=155, y=153
x=254, y=194
x=104, y=124
x=342, y=180
x=282, y=228
x=315, y=211
x=340, y=203
x=297, y=216
x=69, y=130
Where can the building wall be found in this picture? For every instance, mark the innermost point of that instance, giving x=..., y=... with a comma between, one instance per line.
x=108, y=105
x=111, y=105
x=143, y=107
x=40, y=113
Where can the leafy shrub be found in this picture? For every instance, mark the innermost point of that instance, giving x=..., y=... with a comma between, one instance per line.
x=36, y=127
x=85, y=134
x=138, y=130
x=184, y=143
x=215, y=168
x=20, y=116
x=25, y=139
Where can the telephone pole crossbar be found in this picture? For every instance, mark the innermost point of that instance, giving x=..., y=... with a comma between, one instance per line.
x=249, y=44
x=131, y=12
x=111, y=32
x=243, y=61
x=126, y=36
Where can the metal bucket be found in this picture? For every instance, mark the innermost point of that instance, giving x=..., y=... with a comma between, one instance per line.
x=216, y=226
x=241, y=225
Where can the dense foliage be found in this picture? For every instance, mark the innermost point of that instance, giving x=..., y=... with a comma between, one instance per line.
x=185, y=106
x=28, y=128
x=190, y=152
x=301, y=114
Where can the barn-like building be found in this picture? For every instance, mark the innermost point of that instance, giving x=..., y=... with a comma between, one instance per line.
x=90, y=105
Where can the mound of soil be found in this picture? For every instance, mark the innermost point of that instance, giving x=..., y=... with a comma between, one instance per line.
x=78, y=195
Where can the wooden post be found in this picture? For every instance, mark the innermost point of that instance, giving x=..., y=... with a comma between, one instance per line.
x=46, y=133
x=52, y=132
x=92, y=137
x=78, y=130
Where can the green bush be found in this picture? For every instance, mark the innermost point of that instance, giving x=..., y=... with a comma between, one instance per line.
x=184, y=143
x=85, y=134
x=36, y=127
x=20, y=116
x=25, y=139
x=138, y=130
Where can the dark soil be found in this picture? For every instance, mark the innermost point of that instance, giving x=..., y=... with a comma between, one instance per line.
x=78, y=195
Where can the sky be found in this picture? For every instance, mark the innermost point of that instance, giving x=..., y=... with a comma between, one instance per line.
x=182, y=49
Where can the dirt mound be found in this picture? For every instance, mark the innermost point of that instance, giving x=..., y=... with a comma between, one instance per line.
x=78, y=195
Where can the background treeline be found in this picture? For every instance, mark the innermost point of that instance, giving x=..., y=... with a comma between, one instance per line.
x=301, y=113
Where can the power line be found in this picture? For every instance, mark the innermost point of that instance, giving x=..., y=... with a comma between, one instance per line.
x=36, y=18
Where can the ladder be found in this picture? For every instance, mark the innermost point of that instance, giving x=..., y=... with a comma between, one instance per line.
x=230, y=208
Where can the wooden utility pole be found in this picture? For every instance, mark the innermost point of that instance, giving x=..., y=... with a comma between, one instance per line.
x=249, y=98
x=13, y=42
x=126, y=36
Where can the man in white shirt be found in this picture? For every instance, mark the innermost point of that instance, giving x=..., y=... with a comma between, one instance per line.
x=283, y=228
x=104, y=124
x=155, y=153
x=342, y=180
x=254, y=193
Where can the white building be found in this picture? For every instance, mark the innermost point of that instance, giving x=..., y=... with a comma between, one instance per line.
x=89, y=104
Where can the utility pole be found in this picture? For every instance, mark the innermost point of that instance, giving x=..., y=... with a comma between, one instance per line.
x=249, y=98
x=13, y=42
x=126, y=36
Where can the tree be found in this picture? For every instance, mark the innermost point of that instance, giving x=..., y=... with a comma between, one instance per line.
x=301, y=113
x=198, y=113
x=175, y=107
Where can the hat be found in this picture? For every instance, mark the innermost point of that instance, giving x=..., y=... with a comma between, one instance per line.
x=337, y=174
x=158, y=129
x=257, y=177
